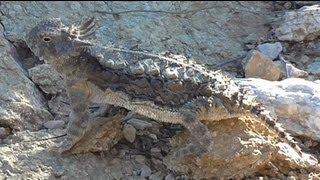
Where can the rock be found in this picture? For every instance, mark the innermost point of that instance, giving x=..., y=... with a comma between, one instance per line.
x=51, y=83
x=299, y=25
x=56, y=124
x=290, y=71
x=156, y=176
x=129, y=133
x=52, y=165
x=58, y=171
x=294, y=72
x=317, y=81
x=47, y=78
x=169, y=177
x=140, y=159
x=3, y=133
x=154, y=137
x=22, y=105
x=139, y=124
x=258, y=65
x=296, y=103
x=101, y=134
x=145, y=171
x=272, y=50
x=304, y=59
x=251, y=149
x=156, y=32
x=314, y=68
x=156, y=152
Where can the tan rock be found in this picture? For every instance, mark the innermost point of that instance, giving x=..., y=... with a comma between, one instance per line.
x=242, y=148
x=259, y=65
x=102, y=134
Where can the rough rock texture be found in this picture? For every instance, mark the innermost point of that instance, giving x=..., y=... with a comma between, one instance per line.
x=22, y=105
x=295, y=102
x=261, y=66
x=272, y=50
x=242, y=148
x=293, y=72
x=288, y=70
x=34, y=160
x=194, y=29
x=101, y=135
x=314, y=68
x=47, y=78
x=53, y=85
x=299, y=25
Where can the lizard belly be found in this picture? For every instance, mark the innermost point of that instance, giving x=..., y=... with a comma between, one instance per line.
x=142, y=107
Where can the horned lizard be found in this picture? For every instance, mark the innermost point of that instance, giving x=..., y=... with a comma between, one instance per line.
x=168, y=88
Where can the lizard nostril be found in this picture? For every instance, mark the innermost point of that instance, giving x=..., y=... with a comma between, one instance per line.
x=46, y=39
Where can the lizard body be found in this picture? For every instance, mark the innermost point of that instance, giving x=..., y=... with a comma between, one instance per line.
x=166, y=88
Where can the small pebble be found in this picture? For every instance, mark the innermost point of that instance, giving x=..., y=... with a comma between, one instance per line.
x=154, y=137
x=139, y=124
x=129, y=132
x=145, y=171
x=169, y=177
x=55, y=124
x=3, y=133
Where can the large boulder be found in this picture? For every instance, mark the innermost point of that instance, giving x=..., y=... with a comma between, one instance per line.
x=242, y=148
x=22, y=105
x=299, y=25
x=296, y=102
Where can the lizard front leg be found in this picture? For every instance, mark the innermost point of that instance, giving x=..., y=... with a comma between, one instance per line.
x=198, y=111
x=202, y=139
x=79, y=95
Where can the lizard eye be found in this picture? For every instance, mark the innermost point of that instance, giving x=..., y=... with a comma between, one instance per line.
x=46, y=39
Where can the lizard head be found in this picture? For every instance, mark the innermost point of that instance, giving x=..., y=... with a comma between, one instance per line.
x=51, y=40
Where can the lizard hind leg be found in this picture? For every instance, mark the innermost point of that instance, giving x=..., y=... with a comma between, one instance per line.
x=202, y=139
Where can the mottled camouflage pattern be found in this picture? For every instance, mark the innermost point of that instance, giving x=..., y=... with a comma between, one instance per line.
x=167, y=88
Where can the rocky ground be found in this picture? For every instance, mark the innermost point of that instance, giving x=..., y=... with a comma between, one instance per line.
x=271, y=48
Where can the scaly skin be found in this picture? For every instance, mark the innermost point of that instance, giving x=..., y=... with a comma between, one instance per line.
x=165, y=88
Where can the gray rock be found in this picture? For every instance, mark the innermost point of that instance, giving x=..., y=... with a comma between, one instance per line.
x=157, y=176
x=145, y=171
x=295, y=101
x=294, y=72
x=169, y=177
x=154, y=26
x=129, y=133
x=299, y=25
x=288, y=70
x=55, y=124
x=50, y=82
x=314, y=68
x=154, y=137
x=22, y=105
x=47, y=78
x=139, y=124
x=272, y=50
x=3, y=133
x=258, y=65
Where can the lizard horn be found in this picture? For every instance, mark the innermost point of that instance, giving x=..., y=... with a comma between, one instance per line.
x=81, y=43
x=87, y=28
x=85, y=25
